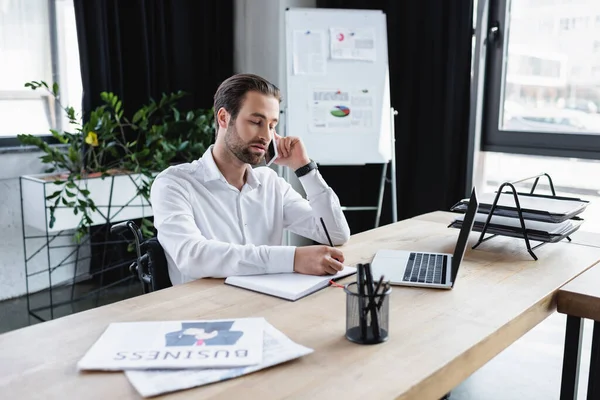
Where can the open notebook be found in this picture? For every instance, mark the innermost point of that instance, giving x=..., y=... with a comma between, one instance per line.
x=290, y=286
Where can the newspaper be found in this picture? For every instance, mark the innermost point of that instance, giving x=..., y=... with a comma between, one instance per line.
x=277, y=348
x=177, y=344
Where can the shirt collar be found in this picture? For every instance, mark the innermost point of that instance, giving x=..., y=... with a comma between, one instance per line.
x=252, y=177
x=212, y=172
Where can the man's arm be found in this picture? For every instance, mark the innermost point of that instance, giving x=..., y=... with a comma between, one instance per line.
x=195, y=255
x=301, y=216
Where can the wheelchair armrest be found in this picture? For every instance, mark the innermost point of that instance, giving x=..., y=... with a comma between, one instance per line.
x=121, y=228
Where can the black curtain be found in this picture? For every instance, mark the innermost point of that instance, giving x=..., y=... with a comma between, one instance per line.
x=429, y=51
x=139, y=49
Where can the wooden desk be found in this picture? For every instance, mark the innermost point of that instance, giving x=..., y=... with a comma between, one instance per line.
x=581, y=296
x=586, y=238
x=579, y=299
x=437, y=337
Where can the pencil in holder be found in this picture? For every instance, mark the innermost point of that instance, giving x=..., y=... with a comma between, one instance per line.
x=367, y=318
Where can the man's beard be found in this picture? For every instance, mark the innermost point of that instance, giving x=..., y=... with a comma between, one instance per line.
x=240, y=149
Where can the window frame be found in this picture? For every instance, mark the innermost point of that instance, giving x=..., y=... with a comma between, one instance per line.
x=521, y=142
x=12, y=141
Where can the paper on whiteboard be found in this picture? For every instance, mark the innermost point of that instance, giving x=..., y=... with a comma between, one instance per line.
x=352, y=44
x=308, y=52
x=277, y=348
x=341, y=110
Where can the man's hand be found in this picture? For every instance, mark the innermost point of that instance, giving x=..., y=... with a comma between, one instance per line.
x=292, y=153
x=318, y=260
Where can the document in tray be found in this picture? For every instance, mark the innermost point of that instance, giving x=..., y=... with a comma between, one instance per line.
x=515, y=223
x=277, y=348
x=555, y=206
x=177, y=344
x=291, y=286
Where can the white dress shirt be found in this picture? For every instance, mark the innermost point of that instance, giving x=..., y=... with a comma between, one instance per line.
x=209, y=228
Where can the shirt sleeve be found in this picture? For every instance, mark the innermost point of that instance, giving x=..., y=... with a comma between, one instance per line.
x=302, y=216
x=198, y=257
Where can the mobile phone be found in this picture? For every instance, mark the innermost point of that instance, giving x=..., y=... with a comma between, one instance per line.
x=271, y=154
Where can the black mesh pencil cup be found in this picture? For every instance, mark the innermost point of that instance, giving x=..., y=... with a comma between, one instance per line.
x=367, y=318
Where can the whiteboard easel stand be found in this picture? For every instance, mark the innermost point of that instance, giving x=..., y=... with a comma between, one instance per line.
x=384, y=180
x=393, y=114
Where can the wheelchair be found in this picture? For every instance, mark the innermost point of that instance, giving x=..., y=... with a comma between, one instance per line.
x=150, y=265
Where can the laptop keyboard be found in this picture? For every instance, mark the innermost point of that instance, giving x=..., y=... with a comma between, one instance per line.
x=425, y=268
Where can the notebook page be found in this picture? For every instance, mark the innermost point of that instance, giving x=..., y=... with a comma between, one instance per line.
x=289, y=286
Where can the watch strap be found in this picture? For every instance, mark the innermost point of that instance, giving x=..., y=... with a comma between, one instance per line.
x=305, y=169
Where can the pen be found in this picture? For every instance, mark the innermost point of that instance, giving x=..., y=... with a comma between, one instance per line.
x=371, y=306
x=386, y=287
x=326, y=233
x=378, y=285
x=361, y=307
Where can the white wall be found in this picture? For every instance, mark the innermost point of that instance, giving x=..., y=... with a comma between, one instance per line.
x=260, y=49
x=260, y=37
x=12, y=264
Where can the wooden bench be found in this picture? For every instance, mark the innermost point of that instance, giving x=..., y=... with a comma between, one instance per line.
x=580, y=299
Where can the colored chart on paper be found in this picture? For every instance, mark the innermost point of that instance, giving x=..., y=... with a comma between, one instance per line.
x=340, y=111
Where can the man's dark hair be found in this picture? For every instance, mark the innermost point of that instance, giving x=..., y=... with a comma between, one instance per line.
x=232, y=91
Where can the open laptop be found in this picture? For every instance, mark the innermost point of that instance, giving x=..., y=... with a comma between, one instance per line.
x=435, y=270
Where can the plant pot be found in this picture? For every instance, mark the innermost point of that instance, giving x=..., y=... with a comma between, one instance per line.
x=115, y=197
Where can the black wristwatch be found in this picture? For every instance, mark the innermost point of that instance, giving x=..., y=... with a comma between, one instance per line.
x=306, y=169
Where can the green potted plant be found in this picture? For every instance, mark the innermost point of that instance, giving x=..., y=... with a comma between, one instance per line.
x=98, y=172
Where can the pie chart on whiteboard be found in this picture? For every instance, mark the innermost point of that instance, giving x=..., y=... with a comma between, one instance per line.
x=340, y=111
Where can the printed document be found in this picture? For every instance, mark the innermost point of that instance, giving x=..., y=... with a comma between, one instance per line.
x=352, y=44
x=177, y=344
x=278, y=348
x=341, y=110
x=308, y=52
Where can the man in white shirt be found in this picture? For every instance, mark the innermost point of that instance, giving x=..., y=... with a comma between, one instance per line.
x=218, y=217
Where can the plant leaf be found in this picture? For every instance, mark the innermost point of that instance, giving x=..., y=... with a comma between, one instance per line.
x=53, y=195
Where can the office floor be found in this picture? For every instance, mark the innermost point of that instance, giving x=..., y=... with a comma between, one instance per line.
x=530, y=369
x=13, y=313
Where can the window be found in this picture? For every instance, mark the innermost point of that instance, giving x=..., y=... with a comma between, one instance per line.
x=546, y=25
x=574, y=23
x=565, y=24
x=38, y=41
x=542, y=89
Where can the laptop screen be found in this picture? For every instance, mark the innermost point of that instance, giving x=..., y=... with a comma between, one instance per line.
x=463, y=236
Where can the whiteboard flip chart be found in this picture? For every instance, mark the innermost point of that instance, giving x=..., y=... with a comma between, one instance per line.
x=337, y=85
